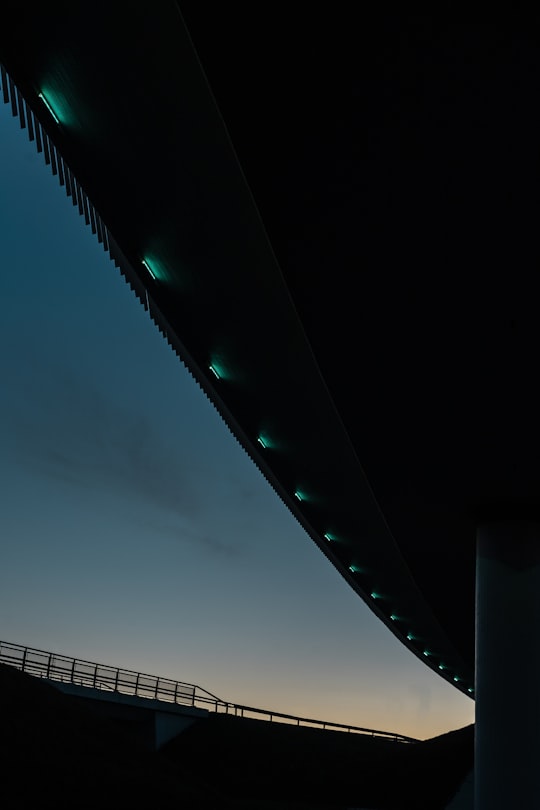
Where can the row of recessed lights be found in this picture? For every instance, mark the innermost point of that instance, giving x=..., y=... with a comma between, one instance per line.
x=147, y=264
x=265, y=444
x=409, y=636
x=300, y=496
x=352, y=568
x=260, y=439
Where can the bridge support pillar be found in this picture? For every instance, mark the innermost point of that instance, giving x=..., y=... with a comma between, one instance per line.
x=507, y=688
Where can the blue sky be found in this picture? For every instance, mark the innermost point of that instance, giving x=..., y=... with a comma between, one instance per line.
x=134, y=530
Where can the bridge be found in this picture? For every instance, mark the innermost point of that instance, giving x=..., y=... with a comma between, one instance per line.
x=374, y=355
x=173, y=705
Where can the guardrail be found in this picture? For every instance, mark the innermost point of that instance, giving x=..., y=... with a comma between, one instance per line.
x=64, y=669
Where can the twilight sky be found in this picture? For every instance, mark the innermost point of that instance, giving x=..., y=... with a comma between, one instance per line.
x=134, y=531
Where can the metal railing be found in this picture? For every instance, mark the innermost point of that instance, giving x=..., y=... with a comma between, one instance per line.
x=64, y=669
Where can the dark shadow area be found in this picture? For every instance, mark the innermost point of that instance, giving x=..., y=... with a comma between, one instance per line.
x=253, y=759
x=54, y=746
x=57, y=745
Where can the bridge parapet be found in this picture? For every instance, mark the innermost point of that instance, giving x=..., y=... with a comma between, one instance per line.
x=152, y=690
x=65, y=669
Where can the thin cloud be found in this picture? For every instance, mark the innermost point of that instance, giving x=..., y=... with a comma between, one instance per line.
x=69, y=431
x=190, y=535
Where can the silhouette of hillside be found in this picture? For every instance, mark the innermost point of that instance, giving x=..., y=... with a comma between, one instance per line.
x=54, y=745
x=254, y=758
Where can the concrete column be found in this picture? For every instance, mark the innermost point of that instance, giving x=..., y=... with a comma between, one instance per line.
x=507, y=688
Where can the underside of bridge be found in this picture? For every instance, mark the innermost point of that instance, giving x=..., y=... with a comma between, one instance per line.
x=333, y=222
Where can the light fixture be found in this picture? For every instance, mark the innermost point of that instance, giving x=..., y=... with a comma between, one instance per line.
x=49, y=108
x=150, y=270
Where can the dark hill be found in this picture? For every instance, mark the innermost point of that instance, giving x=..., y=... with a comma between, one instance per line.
x=254, y=758
x=55, y=750
x=54, y=745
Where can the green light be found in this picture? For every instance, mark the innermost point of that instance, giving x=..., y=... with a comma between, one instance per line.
x=329, y=537
x=410, y=637
x=298, y=495
x=456, y=678
x=48, y=105
x=57, y=106
x=393, y=617
x=427, y=653
x=470, y=689
x=375, y=595
x=155, y=269
x=218, y=367
x=148, y=267
x=354, y=569
x=442, y=666
x=265, y=441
